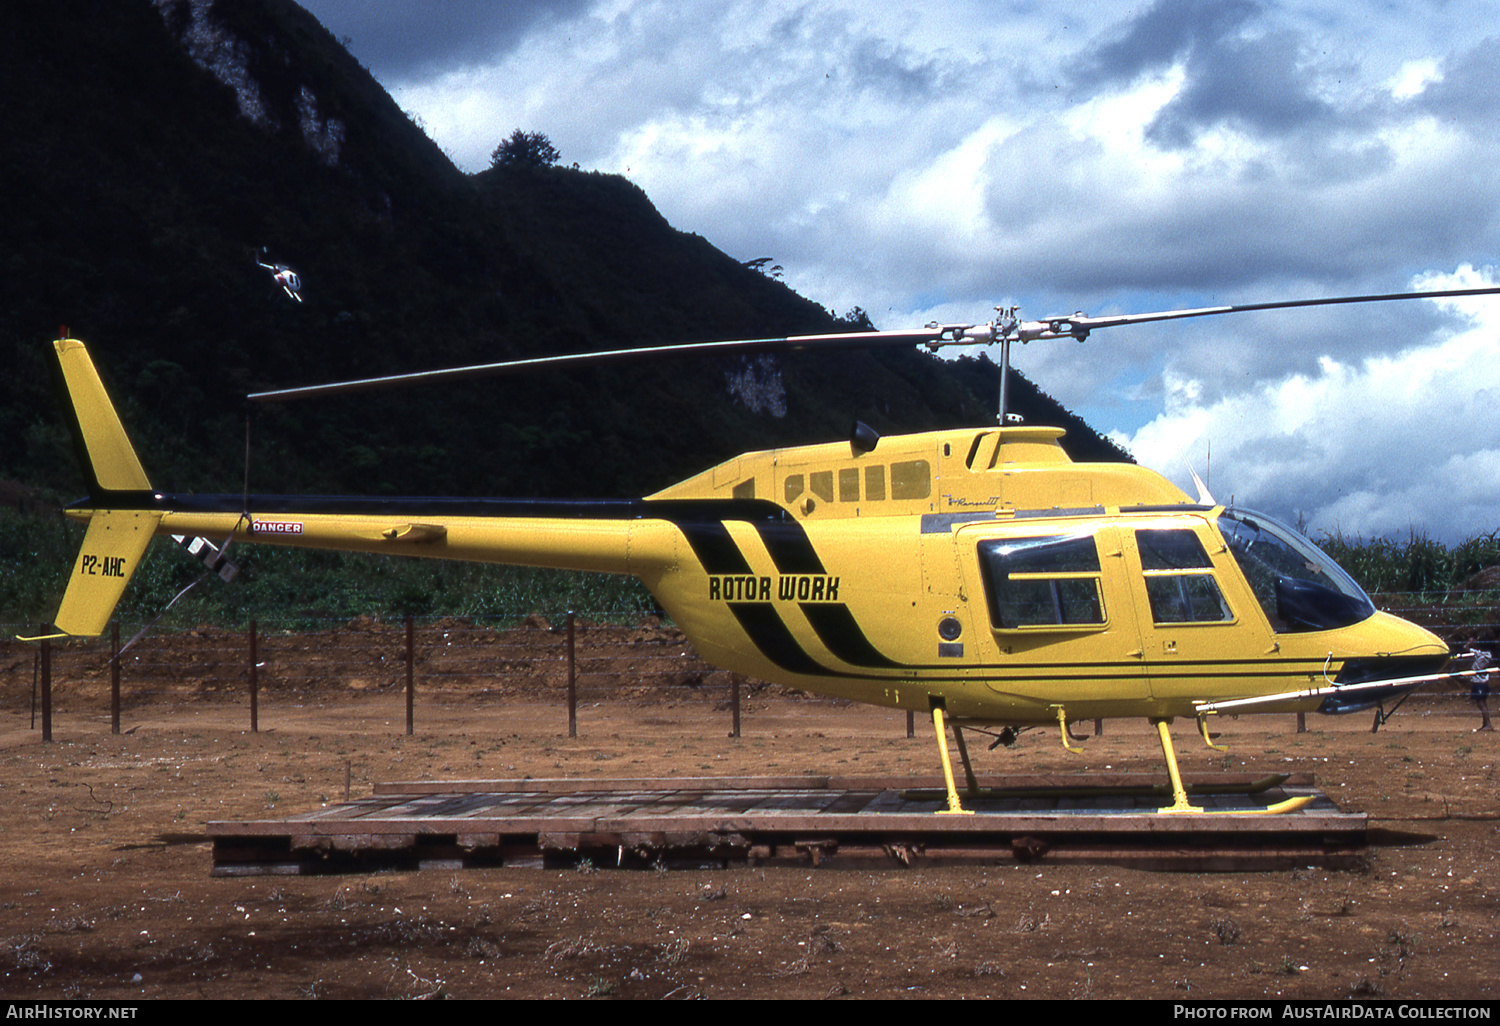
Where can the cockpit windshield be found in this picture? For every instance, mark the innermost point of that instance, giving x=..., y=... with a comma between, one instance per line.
x=1297, y=585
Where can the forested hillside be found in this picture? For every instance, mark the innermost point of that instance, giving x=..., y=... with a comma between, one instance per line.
x=155, y=151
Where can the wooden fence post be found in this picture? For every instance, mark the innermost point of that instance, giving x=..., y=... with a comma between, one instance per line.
x=254, y=681
x=114, y=676
x=734, y=702
x=411, y=676
x=572, y=679
x=46, y=685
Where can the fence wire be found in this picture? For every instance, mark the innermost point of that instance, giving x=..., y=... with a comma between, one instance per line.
x=616, y=654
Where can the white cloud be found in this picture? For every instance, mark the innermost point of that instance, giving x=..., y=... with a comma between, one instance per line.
x=1371, y=447
x=1414, y=77
x=929, y=163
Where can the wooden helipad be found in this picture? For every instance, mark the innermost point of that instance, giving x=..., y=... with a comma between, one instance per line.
x=681, y=822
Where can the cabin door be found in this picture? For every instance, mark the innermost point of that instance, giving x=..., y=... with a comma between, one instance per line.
x=1195, y=641
x=1059, y=617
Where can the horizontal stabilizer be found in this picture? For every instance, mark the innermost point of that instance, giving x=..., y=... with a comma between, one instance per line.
x=112, y=549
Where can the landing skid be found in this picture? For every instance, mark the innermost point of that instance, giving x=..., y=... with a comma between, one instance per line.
x=1177, y=790
x=1109, y=790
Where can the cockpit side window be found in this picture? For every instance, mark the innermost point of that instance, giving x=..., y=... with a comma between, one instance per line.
x=1297, y=585
x=1038, y=582
x=1179, y=578
x=1171, y=549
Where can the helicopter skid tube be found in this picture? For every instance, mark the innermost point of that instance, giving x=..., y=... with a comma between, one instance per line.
x=1252, y=787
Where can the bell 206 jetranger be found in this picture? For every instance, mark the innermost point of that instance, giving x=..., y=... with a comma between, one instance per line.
x=978, y=576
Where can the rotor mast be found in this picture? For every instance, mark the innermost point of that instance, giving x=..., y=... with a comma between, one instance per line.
x=1003, y=329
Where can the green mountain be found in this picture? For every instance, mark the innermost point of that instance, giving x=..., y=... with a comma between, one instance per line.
x=155, y=150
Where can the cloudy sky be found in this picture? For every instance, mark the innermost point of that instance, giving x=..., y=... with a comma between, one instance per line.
x=934, y=161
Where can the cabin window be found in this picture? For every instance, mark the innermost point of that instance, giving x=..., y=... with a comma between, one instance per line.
x=911, y=479
x=1171, y=550
x=849, y=484
x=1039, y=582
x=745, y=489
x=821, y=484
x=1179, y=578
x=1186, y=598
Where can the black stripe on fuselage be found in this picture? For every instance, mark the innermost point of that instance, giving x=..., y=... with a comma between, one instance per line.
x=790, y=547
x=840, y=633
x=715, y=549
x=770, y=634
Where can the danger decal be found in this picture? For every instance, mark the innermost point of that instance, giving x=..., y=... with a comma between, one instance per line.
x=275, y=527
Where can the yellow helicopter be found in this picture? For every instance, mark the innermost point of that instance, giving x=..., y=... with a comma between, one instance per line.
x=976, y=576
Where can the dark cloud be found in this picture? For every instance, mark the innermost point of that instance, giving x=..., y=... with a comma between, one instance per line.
x=895, y=71
x=1162, y=35
x=1254, y=85
x=1079, y=226
x=403, y=39
x=1254, y=82
x=1469, y=92
x=855, y=57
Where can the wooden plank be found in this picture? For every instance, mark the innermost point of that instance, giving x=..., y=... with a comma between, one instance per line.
x=565, y=785
x=826, y=817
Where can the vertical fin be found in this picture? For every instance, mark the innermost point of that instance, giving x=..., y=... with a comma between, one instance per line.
x=109, y=460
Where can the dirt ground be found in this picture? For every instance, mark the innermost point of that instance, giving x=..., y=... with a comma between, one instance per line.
x=106, y=892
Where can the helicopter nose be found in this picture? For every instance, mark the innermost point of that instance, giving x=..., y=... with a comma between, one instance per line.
x=1385, y=647
x=1421, y=640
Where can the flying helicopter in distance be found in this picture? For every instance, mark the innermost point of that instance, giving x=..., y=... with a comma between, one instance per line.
x=978, y=576
x=288, y=279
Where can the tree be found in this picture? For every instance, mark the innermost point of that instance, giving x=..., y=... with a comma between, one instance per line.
x=857, y=320
x=764, y=266
x=525, y=149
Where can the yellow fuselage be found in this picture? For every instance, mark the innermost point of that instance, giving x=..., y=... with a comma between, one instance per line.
x=891, y=576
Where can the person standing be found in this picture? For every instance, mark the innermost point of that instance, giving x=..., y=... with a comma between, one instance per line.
x=1479, y=684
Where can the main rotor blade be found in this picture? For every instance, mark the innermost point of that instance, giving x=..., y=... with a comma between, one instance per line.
x=1073, y=324
x=1077, y=326
x=842, y=340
